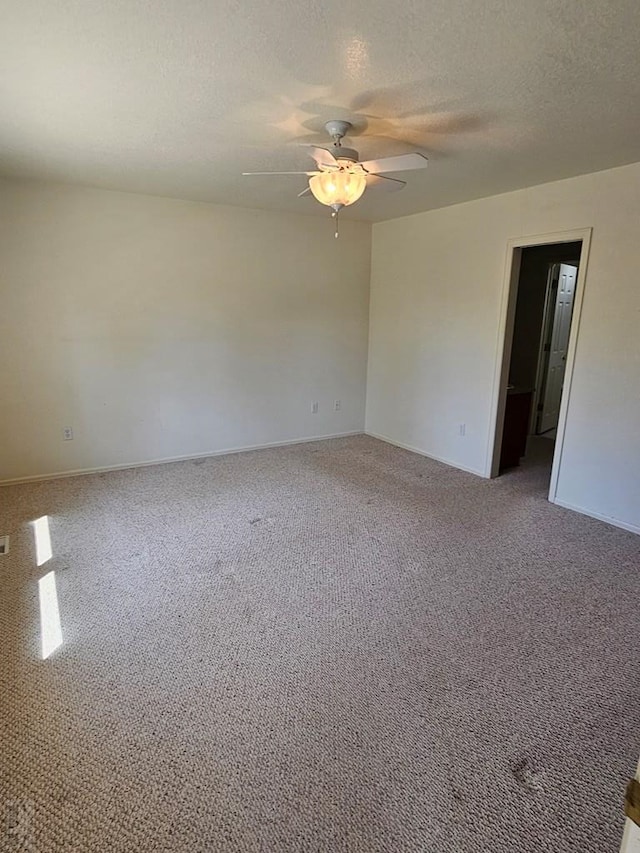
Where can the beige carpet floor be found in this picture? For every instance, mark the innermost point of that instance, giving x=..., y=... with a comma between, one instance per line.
x=330, y=647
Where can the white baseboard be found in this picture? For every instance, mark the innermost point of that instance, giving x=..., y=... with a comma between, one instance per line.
x=632, y=528
x=427, y=455
x=624, y=525
x=80, y=472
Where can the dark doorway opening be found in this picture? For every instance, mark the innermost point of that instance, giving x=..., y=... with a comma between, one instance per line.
x=543, y=312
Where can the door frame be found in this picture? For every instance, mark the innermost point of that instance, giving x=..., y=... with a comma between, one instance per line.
x=504, y=343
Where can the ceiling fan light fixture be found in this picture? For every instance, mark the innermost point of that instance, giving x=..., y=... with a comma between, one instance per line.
x=337, y=188
x=341, y=178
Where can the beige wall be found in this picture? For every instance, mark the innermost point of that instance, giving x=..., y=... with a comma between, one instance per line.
x=159, y=328
x=437, y=282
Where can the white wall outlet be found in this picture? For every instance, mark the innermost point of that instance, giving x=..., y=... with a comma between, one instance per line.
x=337, y=405
x=67, y=433
x=462, y=429
x=314, y=407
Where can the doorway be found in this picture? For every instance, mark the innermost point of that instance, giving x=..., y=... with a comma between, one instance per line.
x=544, y=284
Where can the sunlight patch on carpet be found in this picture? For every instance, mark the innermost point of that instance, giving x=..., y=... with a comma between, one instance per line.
x=43, y=540
x=50, y=628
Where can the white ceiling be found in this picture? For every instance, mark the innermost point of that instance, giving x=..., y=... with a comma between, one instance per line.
x=178, y=97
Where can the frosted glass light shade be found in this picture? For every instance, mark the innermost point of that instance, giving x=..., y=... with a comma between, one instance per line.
x=342, y=188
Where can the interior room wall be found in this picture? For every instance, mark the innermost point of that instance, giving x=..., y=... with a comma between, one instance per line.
x=158, y=328
x=437, y=286
x=532, y=288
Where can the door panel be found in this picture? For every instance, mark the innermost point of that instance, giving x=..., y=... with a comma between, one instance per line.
x=558, y=346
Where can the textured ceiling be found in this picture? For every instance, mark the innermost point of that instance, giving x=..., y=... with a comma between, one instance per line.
x=178, y=97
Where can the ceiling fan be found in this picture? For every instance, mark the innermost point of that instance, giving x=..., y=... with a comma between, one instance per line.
x=340, y=178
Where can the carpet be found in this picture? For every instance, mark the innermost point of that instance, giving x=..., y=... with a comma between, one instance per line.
x=330, y=647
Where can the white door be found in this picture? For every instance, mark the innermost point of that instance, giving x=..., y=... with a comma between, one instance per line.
x=558, y=345
x=631, y=838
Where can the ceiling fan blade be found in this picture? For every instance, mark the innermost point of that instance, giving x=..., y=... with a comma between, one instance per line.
x=322, y=156
x=281, y=173
x=305, y=193
x=402, y=163
x=382, y=183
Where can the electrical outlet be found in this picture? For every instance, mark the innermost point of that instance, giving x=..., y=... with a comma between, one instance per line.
x=314, y=407
x=67, y=433
x=462, y=429
x=337, y=405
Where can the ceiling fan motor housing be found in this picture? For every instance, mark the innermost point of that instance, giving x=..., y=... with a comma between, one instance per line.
x=346, y=154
